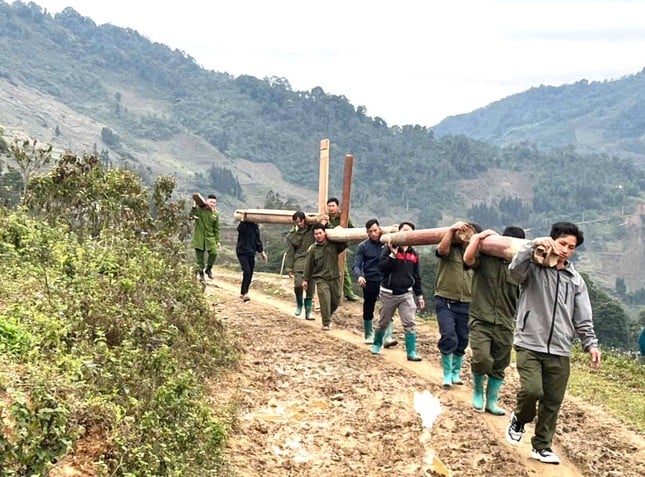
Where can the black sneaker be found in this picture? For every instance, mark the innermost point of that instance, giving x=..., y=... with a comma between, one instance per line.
x=209, y=272
x=514, y=430
x=200, y=275
x=546, y=456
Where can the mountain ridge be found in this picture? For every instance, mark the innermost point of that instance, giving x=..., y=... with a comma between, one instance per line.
x=156, y=111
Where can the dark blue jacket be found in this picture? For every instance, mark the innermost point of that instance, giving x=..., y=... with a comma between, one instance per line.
x=367, y=259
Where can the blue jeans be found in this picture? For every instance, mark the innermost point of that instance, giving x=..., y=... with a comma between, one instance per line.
x=453, y=325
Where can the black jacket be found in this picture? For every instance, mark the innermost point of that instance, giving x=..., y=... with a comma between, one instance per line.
x=400, y=271
x=248, y=239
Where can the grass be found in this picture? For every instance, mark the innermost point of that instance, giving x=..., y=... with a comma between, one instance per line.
x=619, y=385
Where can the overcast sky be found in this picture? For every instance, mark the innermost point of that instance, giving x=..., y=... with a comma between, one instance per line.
x=407, y=61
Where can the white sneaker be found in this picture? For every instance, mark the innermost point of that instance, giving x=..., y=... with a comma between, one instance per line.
x=514, y=430
x=546, y=456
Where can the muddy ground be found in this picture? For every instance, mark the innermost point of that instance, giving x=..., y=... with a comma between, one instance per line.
x=318, y=403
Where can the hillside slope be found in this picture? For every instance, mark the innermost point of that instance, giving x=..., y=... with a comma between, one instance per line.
x=605, y=116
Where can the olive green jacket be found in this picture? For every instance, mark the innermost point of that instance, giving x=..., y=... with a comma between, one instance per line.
x=206, y=234
x=321, y=262
x=494, y=292
x=298, y=242
x=453, y=281
x=335, y=222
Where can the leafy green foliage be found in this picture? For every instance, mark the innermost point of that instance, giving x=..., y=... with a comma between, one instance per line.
x=611, y=323
x=103, y=329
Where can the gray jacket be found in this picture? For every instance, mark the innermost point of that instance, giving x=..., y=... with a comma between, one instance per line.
x=553, y=306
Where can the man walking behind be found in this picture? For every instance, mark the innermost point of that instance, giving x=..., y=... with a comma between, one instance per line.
x=400, y=289
x=299, y=239
x=333, y=214
x=492, y=319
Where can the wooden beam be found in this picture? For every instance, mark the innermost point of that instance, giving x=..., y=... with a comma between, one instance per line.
x=323, y=177
x=271, y=216
x=341, y=234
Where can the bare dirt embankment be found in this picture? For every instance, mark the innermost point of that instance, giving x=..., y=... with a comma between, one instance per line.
x=312, y=402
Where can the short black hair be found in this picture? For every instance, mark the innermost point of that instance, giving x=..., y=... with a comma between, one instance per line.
x=319, y=225
x=567, y=228
x=407, y=223
x=298, y=215
x=517, y=232
x=333, y=199
x=476, y=227
x=212, y=196
x=371, y=222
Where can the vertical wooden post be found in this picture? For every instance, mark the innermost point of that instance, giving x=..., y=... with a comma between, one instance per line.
x=344, y=212
x=347, y=189
x=323, y=176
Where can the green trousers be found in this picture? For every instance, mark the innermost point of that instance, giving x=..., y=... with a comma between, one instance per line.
x=491, y=346
x=328, y=298
x=200, y=255
x=543, y=381
x=297, y=286
x=347, y=282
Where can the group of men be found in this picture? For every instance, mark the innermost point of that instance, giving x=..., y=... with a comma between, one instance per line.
x=482, y=300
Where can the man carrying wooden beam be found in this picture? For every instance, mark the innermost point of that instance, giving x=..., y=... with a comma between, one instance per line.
x=400, y=290
x=492, y=319
x=452, y=300
x=333, y=212
x=299, y=239
x=206, y=233
x=321, y=270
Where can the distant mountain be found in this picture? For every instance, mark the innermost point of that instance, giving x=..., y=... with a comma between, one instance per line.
x=607, y=116
x=109, y=91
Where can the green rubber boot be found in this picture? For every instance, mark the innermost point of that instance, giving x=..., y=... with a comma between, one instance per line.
x=299, y=303
x=378, y=341
x=411, y=347
x=389, y=341
x=456, y=368
x=368, y=332
x=478, y=394
x=446, y=364
x=492, y=395
x=309, y=303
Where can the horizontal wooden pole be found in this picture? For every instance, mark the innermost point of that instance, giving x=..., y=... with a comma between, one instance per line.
x=341, y=234
x=271, y=216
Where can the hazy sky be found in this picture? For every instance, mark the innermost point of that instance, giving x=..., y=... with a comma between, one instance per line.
x=407, y=61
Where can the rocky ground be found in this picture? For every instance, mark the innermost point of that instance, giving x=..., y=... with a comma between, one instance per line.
x=313, y=402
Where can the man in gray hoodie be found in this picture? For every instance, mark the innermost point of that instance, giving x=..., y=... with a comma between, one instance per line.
x=553, y=308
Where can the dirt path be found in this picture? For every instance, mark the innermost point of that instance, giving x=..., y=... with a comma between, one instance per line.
x=314, y=402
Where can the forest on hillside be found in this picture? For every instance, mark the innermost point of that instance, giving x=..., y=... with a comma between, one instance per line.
x=71, y=58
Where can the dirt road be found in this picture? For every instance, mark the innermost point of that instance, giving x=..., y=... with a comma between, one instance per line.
x=315, y=402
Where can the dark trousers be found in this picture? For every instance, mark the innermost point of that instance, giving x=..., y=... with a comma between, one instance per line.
x=453, y=325
x=491, y=346
x=370, y=297
x=248, y=265
x=543, y=381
